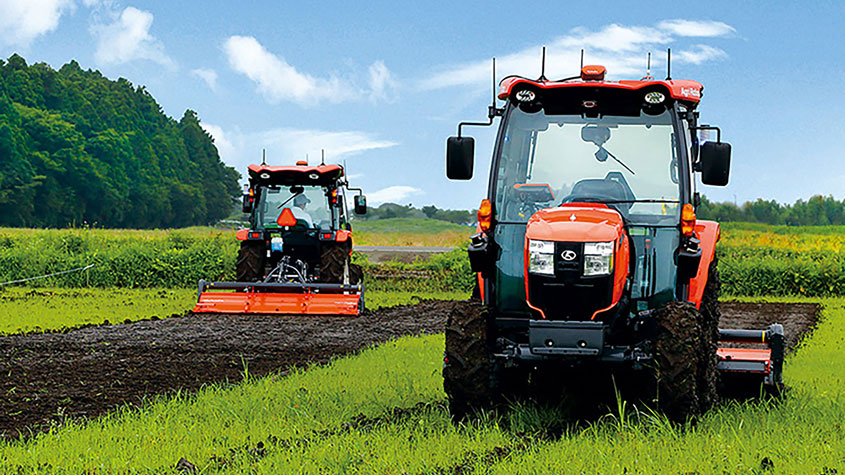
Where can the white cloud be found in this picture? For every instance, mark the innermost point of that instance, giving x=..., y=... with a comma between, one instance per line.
x=21, y=21
x=392, y=194
x=128, y=38
x=382, y=84
x=696, y=28
x=207, y=75
x=279, y=81
x=622, y=49
x=296, y=143
x=699, y=54
x=287, y=145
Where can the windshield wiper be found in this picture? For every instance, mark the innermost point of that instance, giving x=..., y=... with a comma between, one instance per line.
x=617, y=160
x=287, y=200
x=637, y=201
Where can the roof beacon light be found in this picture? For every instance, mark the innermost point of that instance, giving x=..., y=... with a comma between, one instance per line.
x=302, y=163
x=655, y=97
x=593, y=72
x=525, y=95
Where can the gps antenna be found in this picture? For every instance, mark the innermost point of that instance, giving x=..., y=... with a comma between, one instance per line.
x=543, y=66
x=668, y=64
x=648, y=69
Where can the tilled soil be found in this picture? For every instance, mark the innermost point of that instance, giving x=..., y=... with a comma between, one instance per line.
x=86, y=372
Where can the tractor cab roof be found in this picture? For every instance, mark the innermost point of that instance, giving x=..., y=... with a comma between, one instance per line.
x=591, y=82
x=299, y=174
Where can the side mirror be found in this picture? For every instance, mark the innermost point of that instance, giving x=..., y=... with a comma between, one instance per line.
x=459, y=157
x=360, y=204
x=715, y=160
x=247, y=206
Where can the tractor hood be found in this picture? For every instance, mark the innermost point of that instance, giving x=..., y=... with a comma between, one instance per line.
x=567, y=278
x=576, y=222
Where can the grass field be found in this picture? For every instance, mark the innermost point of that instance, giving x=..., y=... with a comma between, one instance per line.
x=410, y=232
x=383, y=412
x=754, y=259
x=40, y=309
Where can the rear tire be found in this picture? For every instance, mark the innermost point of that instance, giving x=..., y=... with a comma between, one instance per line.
x=677, y=361
x=251, y=261
x=333, y=261
x=467, y=365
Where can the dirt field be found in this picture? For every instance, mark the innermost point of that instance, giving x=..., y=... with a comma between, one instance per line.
x=86, y=372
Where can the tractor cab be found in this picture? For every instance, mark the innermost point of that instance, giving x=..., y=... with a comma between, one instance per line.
x=583, y=170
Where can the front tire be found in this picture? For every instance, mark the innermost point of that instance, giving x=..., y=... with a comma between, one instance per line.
x=467, y=365
x=708, y=382
x=676, y=356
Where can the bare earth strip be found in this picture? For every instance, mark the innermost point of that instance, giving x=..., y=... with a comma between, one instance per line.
x=86, y=372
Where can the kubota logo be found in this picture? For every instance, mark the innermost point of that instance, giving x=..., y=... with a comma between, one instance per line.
x=568, y=255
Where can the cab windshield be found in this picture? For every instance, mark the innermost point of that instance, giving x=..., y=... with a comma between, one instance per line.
x=628, y=163
x=309, y=205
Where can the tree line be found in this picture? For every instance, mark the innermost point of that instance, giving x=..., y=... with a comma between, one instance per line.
x=76, y=147
x=393, y=210
x=816, y=211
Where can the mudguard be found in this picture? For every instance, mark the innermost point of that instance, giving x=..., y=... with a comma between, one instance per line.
x=708, y=232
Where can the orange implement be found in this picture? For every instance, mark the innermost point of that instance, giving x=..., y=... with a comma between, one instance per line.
x=745, y=360
x=261, y=298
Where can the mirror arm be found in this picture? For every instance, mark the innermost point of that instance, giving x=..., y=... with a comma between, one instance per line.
x=475, y=124
x=709, y=127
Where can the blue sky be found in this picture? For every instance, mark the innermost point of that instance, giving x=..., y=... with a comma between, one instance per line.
x=381, y=85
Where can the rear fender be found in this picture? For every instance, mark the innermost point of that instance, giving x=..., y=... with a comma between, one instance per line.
x=708, y=232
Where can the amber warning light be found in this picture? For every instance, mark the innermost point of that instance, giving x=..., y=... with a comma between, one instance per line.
x=485, y=215
x=593, y=73
x=687, y=220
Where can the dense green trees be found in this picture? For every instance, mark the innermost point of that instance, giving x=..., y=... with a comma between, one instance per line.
x=817, y=211
x=77, y=147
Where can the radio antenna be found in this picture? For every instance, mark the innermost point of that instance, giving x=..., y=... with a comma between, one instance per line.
x=668, y=64
x=543, y=66
x=323, y=159
x=582, y=60
x=494, y=81
x=264, y=156
x=648, y=66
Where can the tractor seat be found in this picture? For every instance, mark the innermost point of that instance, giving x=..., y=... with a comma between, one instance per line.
x=599, y=189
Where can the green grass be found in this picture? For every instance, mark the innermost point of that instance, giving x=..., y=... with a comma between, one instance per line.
x=39, y=309
x=27, y=309
x=339, y=418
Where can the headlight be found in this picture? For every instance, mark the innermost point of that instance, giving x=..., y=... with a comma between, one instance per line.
x=541, y=257
x=598, y=258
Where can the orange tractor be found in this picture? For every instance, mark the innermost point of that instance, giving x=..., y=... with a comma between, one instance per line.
x=589, y=254
x=295, y=256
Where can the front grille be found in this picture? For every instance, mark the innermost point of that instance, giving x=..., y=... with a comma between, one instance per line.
x=568, y=295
